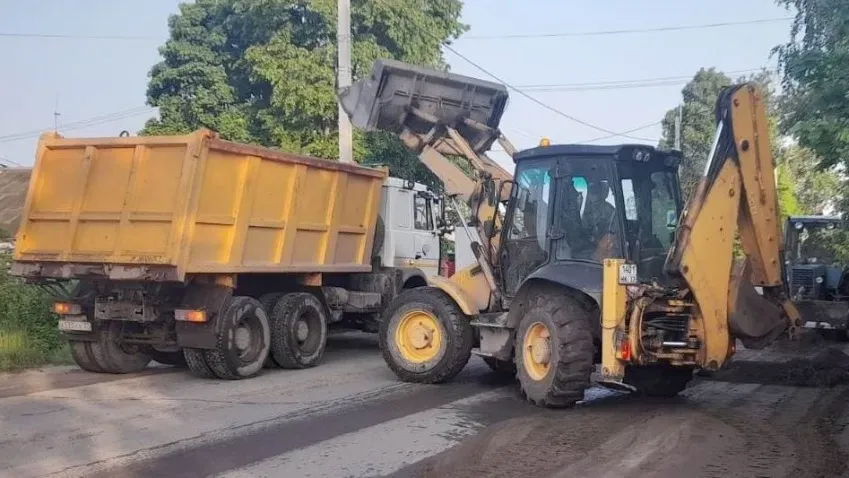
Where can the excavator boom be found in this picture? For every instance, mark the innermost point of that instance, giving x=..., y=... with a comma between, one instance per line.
x=738, y=188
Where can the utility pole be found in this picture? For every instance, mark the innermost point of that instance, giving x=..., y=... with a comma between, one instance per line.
x=343, y=42
x=679, y=117
x=56, y=115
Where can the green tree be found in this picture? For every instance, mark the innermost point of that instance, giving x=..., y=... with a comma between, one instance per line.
x=264, y=71
x=814, y=63
x=815, y=188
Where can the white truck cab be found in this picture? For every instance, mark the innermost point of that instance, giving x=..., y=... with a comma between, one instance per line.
x=410, y=213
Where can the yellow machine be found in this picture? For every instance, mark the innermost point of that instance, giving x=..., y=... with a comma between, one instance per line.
x=587, y=255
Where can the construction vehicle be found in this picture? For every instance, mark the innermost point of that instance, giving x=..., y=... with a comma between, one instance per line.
x=586, y=255
x=226, y=257
x=816, y=276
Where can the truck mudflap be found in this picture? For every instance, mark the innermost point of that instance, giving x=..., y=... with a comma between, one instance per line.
x=752, y=318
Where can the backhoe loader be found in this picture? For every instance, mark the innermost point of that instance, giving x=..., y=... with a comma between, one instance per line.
x=586, y=255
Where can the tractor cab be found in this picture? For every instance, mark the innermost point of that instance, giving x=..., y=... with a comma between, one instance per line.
x=813, y=266
x=572, y=206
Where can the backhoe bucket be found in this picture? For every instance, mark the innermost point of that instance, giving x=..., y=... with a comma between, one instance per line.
x=752, y=318
x=398, y=96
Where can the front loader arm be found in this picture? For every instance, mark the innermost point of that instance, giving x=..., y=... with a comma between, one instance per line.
x=437, y=114
x=736, y=195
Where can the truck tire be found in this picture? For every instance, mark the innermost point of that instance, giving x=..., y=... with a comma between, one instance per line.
x=114, y=357
x=244, y=339
x=82, y=356
x=298, y=331
x=425, y=337
x=196, y=361
x=268, y=301
x=658, y=380
x=554, y=349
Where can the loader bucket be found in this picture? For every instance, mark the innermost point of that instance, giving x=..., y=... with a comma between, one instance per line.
x=752, y=318
x=383, y=102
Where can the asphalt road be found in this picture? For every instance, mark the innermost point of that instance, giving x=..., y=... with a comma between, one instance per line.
x=351, y=418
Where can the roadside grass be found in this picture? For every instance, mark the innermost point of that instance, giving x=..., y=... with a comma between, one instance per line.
x=28, y=334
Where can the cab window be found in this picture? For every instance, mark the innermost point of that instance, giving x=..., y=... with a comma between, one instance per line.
x=422, y=215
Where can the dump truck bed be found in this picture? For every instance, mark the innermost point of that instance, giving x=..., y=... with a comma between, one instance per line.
x=162, y=207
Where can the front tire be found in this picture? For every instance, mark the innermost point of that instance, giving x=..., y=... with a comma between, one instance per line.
x=244, y=340
x=425, y=337
x=554, y=349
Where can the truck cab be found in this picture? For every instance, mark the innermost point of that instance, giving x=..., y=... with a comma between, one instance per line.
x=410, y=212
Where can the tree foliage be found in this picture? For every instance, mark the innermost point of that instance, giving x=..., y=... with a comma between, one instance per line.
x=264, y=71
x=814, y=63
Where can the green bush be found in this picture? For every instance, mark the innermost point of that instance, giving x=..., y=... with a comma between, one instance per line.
x=28, y=334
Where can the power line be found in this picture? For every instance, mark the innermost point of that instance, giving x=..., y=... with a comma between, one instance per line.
x=538, y=102
x=78, y=37
x=630, y=83
x=93, y=121
x=634, y=130
x=624, y=32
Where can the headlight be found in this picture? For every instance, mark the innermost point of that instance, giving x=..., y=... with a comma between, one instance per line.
x=798, y=226
x=820, y=280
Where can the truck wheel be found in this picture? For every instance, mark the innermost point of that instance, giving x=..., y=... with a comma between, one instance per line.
x=244, y=340
x=505, y=368
x=113, y=356
x=82, y=356
x=554, y=350
x=658, y=380
x=425, y=337
x=268, y=301
x=298, y=331
x=196, y=361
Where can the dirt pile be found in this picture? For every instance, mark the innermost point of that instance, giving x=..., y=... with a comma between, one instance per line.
x=827, y=368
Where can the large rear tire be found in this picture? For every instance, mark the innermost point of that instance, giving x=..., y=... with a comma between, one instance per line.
x=554, y=349
x=268, y=302
x=244, y=340
x=425, y=337
x=114, y=357
x=196, y=361
x=298, y=331
x=658, y=380
x=82, y=356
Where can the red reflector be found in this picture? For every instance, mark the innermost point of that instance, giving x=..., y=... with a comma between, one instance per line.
x=625, y=350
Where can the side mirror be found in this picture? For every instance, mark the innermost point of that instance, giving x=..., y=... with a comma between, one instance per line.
x=671, y=219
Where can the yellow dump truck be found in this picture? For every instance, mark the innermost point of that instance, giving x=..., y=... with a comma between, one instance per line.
x=223, y=256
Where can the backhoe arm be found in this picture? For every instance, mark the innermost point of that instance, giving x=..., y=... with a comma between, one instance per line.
x=737, y=189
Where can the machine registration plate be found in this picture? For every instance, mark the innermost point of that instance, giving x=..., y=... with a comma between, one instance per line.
x=74, y=326
x=627, y=274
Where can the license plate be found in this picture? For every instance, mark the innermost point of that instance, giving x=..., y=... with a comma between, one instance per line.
x=74, y=326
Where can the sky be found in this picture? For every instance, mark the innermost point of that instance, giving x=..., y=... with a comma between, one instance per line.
x=98, y=85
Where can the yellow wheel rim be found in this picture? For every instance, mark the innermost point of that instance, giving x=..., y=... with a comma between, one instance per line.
x=418, y=336
x=536, y=351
